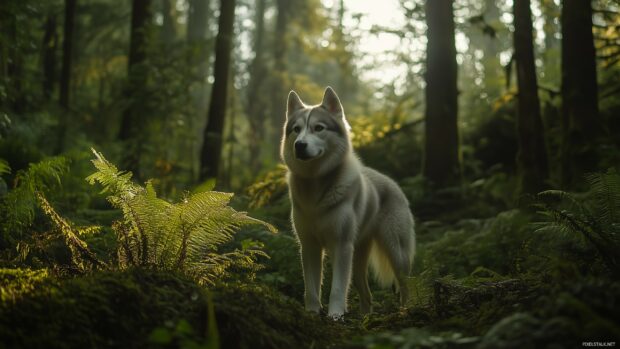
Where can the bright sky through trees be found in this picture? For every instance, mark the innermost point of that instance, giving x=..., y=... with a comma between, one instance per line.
x=377, y=52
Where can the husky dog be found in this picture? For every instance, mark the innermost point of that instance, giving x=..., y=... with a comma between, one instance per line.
x=341, y=207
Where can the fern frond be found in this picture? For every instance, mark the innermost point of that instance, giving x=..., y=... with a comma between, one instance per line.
x=4, y=167
x=81, y=256
x=112, y=180
x=605, y=188
x=595, y=219
x=19, y=204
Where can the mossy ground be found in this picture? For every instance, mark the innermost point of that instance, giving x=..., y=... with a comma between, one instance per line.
x=486, y=283
x=131, y=308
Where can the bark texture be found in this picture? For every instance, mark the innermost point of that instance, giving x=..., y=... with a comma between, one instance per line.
x=532, y=155
x=441, y=153
x=212, y=142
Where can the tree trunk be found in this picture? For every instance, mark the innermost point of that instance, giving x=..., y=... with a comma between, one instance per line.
x=278, y=81
x=441, y=153
x=532, y=155
x=581, y=124
x=197, y=25
x=14, y=62
x=256, y=107
x=67, y=49
x=198, y=60
x=168, y=31
x=50, y=42
x=493, y=71
x=228, y=175
x=212, y=142
x=132, y=123
x=65, y=75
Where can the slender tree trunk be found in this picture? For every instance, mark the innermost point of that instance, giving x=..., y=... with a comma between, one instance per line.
x=343, y=61
x=10, y=59
x=581, y=124
x=5, y=24
x=197, y=34
x=14, y=62
x=441, y=153
x=493, y=70
x=133, y=121
x=197, y=26
x=50, y=42
x=212, y=143
x=169, y=31
x=550, y=13
x=67, y=49
x=198, y=61
x=532, y=156
x=65, y=75
x=256, y=107
x=278, y=81
x=231, y=135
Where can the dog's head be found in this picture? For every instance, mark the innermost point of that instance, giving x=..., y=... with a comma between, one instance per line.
x=315, y=138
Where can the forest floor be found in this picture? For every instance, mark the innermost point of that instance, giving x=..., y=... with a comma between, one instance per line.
x=541, y=275
x=477, y=282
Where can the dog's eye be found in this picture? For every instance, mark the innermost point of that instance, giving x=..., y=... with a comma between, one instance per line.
x=296, y=129
x=319, y=128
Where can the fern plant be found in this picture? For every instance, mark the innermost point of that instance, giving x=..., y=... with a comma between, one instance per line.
x=4, y=167
x=181, y=236
x=17, y=208
x=596, y=217
x=271, y=185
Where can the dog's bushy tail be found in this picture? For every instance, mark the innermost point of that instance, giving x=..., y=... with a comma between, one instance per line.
x=381, y=266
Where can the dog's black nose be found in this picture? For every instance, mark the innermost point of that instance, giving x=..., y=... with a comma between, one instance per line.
x=300, y=146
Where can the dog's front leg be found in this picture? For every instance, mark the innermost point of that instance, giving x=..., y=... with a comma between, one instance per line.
x=341, y=279
x=312, y=263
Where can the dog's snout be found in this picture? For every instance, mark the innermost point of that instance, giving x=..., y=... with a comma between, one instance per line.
x=300, y=146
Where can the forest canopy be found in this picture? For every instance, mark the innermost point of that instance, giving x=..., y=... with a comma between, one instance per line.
x=141, y=179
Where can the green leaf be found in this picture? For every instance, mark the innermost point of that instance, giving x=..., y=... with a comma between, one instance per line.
x=205, y=186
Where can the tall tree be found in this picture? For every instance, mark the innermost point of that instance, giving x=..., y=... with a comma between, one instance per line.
x=67, y=50
x=50, y=43
x=278, y=76
x=256, y=103
x=581, y=124
x=441, y=153
x=65, y=75
x=12, y=60
x=493, y=70
x=198, y=59
x=532, y=156
x=132, y=123
x=169, y=30
x=212, y=142
x=197, y=25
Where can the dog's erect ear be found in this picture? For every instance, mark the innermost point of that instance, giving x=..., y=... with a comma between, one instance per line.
x=331, y=102
x=294, y=103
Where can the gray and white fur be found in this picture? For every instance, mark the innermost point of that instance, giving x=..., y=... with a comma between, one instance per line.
x=341, y=207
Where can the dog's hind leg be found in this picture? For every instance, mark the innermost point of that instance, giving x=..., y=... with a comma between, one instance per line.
x=312, y=263
x=360, y=275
